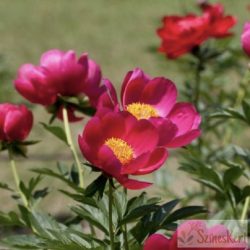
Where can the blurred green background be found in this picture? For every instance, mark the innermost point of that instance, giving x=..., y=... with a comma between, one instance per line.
x=118, y=34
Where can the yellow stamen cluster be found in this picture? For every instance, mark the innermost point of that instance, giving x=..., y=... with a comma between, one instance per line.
x=121, y=149
x=141, y=110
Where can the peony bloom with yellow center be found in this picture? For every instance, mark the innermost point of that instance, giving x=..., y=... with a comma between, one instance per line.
x=154, y=99
x=119, y=145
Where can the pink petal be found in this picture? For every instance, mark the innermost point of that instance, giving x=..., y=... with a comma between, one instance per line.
x=143, y=137
x=167, y=130
x=52, y=59
x=133, y=184
x=185, y=117
x=146, y=163
x=156, y=160
x=184, y=139
x=93, y=134
x=157, y=242
x=132, y=86
x=108, y=100
x=108, y=162
x=18, y=123
x=113, y=125
x=31, y=83
x=160, y=93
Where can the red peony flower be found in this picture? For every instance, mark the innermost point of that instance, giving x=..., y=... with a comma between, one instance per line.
x=180, y=35
x=15, y=122
x=155, y=100
x=120, y=145
x=194, y=234
x=60, y=74
x=219, y=24
x=245, y=38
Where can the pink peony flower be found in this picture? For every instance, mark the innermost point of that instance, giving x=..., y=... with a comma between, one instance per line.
x=60, y=74
x=245, y=38
x=154, y=99
x=15, y=122
x=120, y=145
x=195, y=234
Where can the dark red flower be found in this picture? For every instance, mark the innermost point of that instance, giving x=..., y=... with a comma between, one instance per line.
x=15, y=122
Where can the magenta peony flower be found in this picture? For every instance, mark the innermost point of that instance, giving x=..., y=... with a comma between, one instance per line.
x=60, y=74
x=154, y=99
x=120, y=145
x=245, y=38
x=194, y=234
x=15, y=122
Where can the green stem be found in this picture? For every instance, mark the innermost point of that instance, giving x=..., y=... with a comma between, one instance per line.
x=125, y=237
x=16, y=178
x=125, y=232
x=111, y=232
x=245, y=209
x=72, y=147
x=198, y=82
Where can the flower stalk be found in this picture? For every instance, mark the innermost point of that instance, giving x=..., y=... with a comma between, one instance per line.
x=71, y=145
x=16, y=178
x=111, y=230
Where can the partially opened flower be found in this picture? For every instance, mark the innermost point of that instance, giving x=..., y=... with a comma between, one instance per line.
x=219, y=23
x=15, y=122
x=245, y=38
x=60, y=74
x=180, y=34
x=120, y=145
x=154, y=99
x=195, y=234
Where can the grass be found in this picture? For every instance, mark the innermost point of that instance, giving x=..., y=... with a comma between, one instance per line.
x=119, y=35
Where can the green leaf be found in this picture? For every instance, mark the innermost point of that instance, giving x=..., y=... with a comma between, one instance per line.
x=23, y=242
x=98, y=185
x=138, y=212
x=94, y=216
x=231, y=175
x=49, y=172
x=185, y=212
x=5, y=186
x=57, y=131
x=246, y=192
x=246, y=110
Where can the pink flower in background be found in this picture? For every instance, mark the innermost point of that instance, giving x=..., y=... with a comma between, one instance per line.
x=245, y=38
x=15, y=122
x=219, y=24
x=154, y=99
x=120, y=145
x=60, y=74
x=195, y=234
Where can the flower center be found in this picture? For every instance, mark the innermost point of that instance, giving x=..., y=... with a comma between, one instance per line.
x=121, y=149
x=141, y=110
